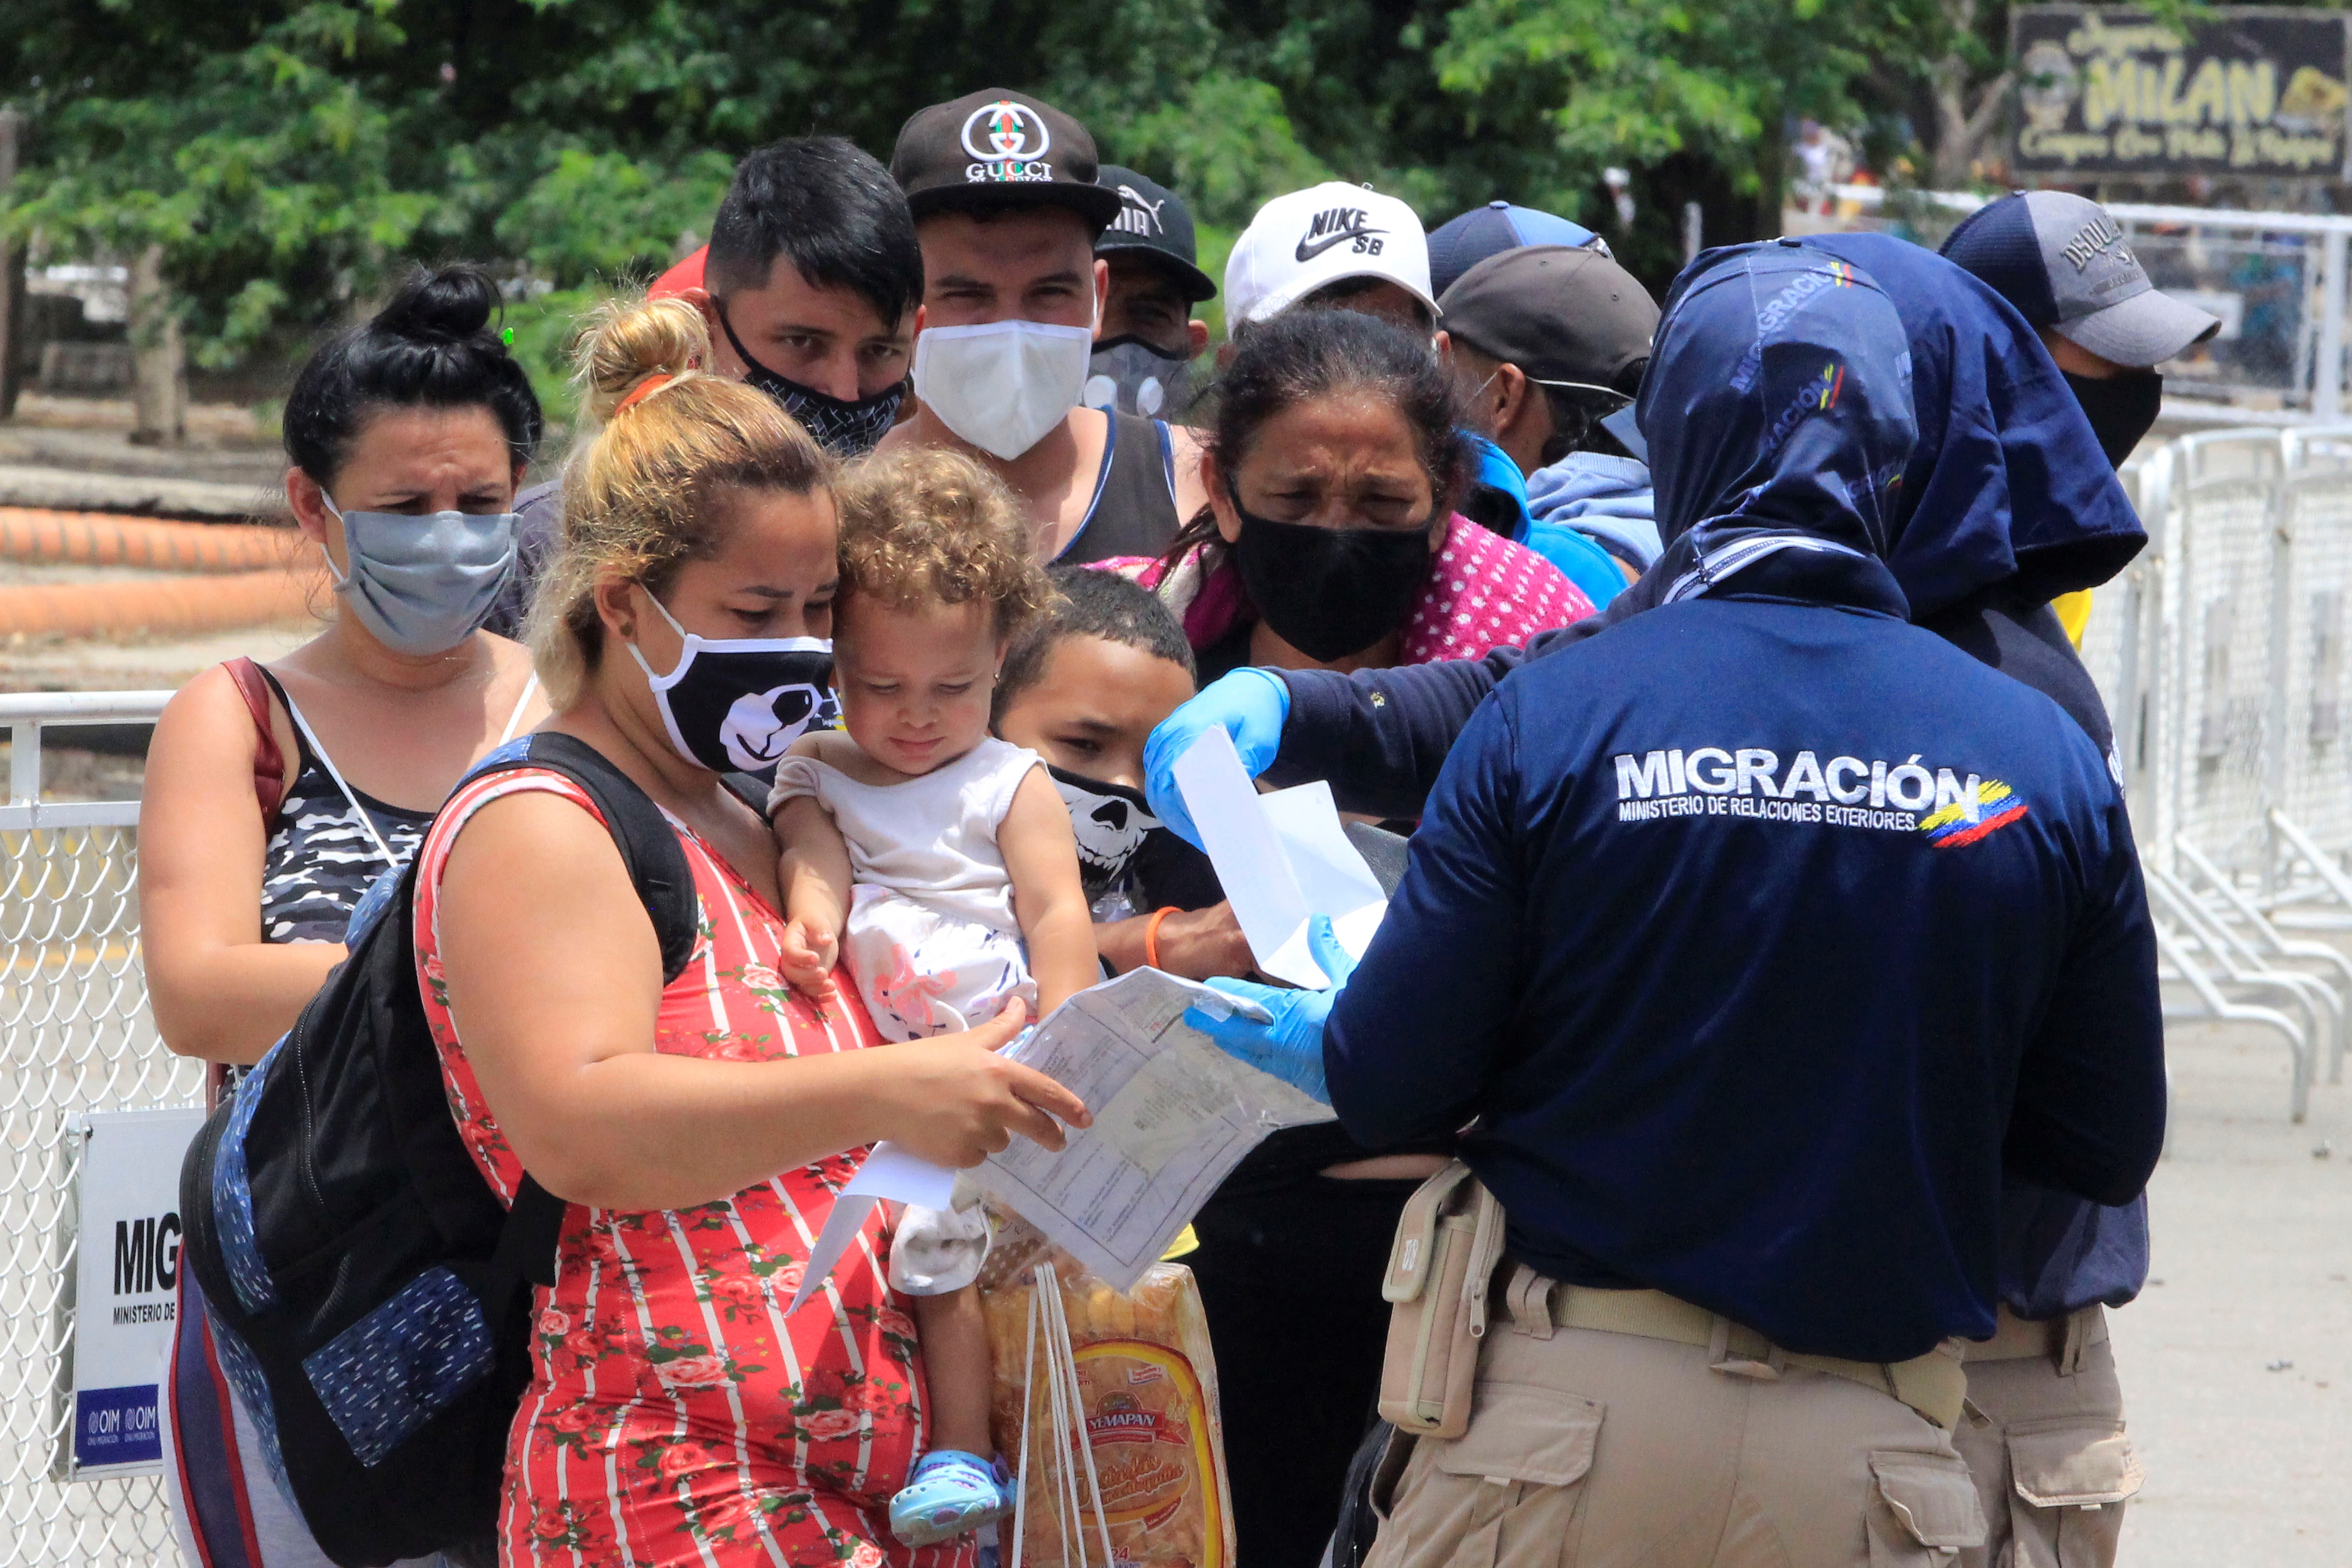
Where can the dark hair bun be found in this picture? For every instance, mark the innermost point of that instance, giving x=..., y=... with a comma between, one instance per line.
x=430, y=346
x=454, y=302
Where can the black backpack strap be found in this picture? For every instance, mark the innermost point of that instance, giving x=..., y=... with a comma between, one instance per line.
x=748, y=789
x=648, y=845
x=664, y=882
x=526, y=1251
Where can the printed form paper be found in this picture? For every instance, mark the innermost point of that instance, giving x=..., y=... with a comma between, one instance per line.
x=1173, y=1114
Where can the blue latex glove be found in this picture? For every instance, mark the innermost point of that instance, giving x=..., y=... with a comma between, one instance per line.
x=1250, y=705
x=1291, y=1046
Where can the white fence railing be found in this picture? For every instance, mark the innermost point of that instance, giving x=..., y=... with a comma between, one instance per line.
x=2224, y=653
x=75, y=1036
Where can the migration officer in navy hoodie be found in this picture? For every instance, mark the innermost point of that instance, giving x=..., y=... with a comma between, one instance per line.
x=2008, y=499
x=1754, y=941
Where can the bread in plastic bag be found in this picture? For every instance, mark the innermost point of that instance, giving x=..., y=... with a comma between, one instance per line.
x=1150, y=1394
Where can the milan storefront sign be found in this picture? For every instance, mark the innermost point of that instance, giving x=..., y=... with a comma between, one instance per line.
x=2236, y=90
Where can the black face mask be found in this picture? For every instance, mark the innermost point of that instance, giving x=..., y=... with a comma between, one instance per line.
x=738, y=703
x=844, y=430
x=1330, y=592
x=1110, y=821
x=2121, y=408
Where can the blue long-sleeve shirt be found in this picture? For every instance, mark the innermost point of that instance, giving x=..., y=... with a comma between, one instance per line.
x=1382, y=737
x=2006, y=500
x=1737, y=1015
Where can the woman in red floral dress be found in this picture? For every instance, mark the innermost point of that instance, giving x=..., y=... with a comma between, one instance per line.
x=699, y=1132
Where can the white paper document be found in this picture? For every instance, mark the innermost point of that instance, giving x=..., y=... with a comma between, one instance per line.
x=889, y=1171
x=1173, y=1114
x=1282, y=857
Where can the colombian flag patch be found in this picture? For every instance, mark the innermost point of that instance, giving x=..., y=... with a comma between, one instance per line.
x=1997, y=806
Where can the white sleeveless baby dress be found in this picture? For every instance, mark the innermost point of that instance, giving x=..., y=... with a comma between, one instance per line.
x=931, y=940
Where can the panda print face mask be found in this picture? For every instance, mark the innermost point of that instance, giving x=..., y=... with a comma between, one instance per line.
x=1110, y=820
x=738, y=703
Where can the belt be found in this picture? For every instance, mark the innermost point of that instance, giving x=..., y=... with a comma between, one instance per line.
x=1933, y=1385
x=2059, y=1339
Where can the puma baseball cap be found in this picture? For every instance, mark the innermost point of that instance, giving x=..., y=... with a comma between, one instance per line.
x=1154, y=224
x=996, y=148
x=2062, y=262
x=1327, y=233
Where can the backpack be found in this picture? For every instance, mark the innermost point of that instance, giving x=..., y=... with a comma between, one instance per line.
x=365, y=1286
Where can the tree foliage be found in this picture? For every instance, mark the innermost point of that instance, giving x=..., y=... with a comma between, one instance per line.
x=291, y=157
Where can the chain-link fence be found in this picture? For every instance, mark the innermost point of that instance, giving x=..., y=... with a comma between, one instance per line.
x=2276, y=281
x=75, y=1036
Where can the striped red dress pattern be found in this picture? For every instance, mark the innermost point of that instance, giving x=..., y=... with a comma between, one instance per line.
x=675, y=1416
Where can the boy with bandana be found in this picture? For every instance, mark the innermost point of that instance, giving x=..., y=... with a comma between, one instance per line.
x=1082, y=690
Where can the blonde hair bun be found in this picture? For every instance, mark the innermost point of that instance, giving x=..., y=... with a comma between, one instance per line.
x=627, y=342
x=652, y=490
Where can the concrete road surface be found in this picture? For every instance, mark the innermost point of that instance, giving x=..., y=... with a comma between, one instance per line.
x=2237, y=1360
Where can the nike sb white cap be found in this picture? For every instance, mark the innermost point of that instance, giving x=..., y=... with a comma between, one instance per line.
x=1327, y=233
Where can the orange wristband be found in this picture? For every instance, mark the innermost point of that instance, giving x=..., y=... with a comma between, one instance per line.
x=1151, y=935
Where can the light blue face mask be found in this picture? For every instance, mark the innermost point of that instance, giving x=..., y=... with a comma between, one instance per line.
x=423, y=584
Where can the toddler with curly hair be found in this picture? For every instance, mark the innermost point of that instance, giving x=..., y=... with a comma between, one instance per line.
x=936, y=863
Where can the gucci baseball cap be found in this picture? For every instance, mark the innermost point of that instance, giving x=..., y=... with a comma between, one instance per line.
x=1154, y=224
x=2062, y=262
x=1327, y=233
x=997, y=148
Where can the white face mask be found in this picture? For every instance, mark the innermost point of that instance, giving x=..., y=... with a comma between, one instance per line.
x=1003, y=385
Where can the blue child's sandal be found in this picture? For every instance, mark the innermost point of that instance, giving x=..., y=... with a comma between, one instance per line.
x=952, y=1493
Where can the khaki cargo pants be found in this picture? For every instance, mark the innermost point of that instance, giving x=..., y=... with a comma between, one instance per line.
x=2043, y=1436
x=1588, y=1447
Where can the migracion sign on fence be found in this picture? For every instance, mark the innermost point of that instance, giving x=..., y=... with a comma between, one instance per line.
x=126, y=1204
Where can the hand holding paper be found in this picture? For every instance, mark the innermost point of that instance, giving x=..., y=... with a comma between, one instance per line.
x=1172, y=1114
x=1249, y=705
x=1289, y=1043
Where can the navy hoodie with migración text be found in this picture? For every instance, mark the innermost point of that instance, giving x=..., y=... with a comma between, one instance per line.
x=2007, y=501
x=1757, y=940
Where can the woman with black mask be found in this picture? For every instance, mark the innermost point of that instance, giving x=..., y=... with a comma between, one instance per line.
x=1331, y=542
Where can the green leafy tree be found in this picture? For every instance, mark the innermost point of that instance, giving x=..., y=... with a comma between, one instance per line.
x=1719, y=80
x=289, y=157
x=264, y=175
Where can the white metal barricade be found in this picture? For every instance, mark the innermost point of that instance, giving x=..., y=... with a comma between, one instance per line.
x=2227, y=487
x=77, y=1037
x=2220, y=652
x=2310, y=794
x=2123, y=640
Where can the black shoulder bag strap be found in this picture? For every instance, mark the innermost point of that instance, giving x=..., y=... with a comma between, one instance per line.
x=664, y=881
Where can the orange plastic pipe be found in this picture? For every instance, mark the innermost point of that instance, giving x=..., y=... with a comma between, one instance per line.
x=183, y=605
x=104, y=539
